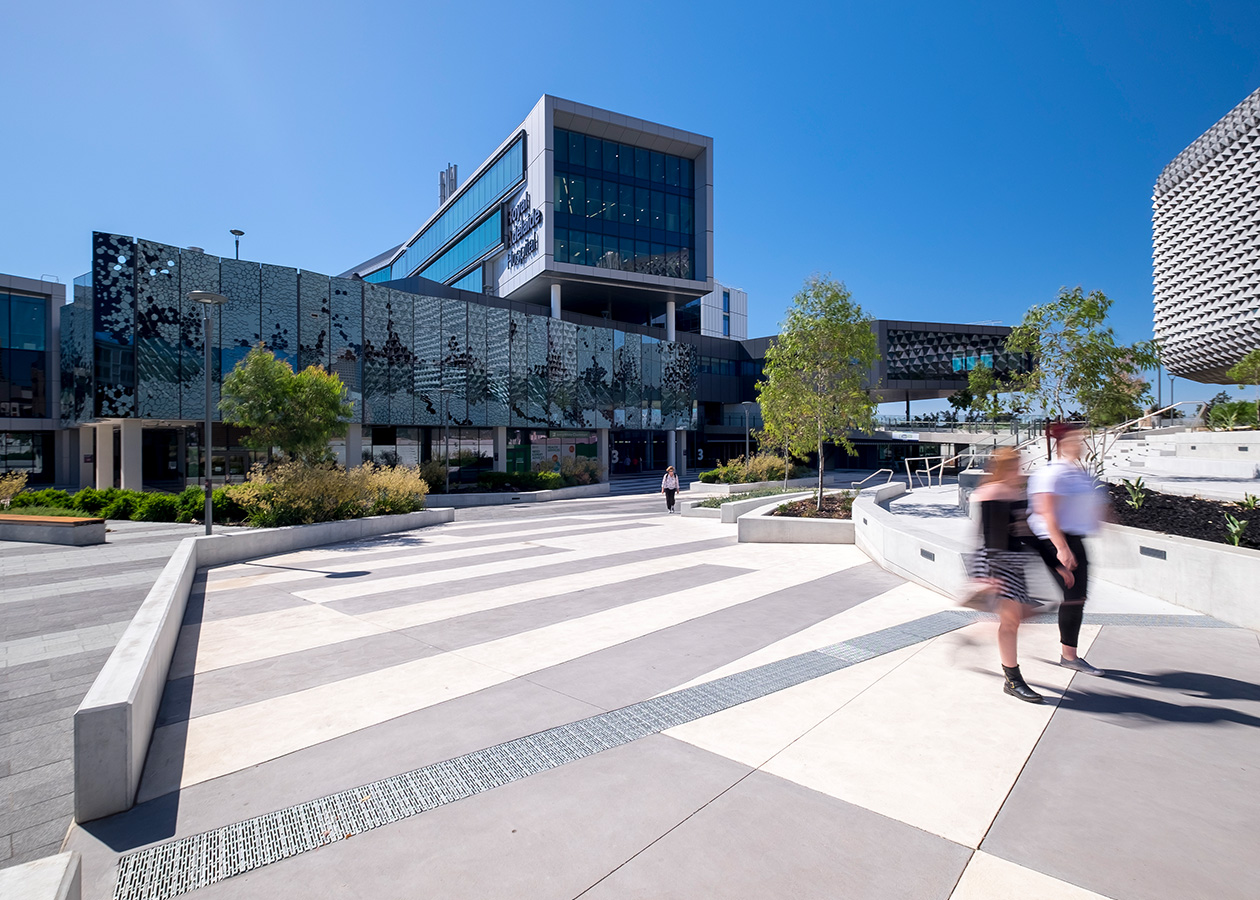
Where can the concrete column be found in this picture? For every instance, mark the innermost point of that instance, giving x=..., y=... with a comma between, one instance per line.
x=555, y=301
x=104, y=456
x=132, y=469
x=669, y=320
x=500, y=449
x=682, y=453
x=602, y=438
x=86, y=470
x=671, y=448
x=354, y=445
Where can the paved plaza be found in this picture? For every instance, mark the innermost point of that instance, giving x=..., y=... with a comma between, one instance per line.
x=596, y=699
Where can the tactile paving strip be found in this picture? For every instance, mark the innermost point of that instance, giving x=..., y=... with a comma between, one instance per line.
x=185, y=864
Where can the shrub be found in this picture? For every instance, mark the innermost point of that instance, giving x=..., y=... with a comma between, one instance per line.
x=190, y=504
x=577, y=470
x=48, y=497
x=520, y=481
x=91, y=500
x=761, y=467
x=434, y=474
x=156, y=508
x=43, y=511
x=11, y=484
x=123, y=506
x=295, y=493
x=226, y=509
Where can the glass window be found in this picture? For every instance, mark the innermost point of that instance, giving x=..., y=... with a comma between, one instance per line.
x=726, y=326
x=671, y=262
x=686, y=224
x=610, y=157
x=610, y=201
x=577, y=149
x=594, y=195
x=26, y=322
x=684, y=263
x=473, y=200
x=479, y=241
x=641, y=164
x=658, y=168
x=562, y=145
x=671, y=212
x=658, y=209
x=726, y=301
x=686, y=173
x=627, y=255
x=594, y=153
x=577, y=195
x=642, y=200
x=625, y=161
x=642, y=256
x=593, y=249
x=657, y=265
x=625, y=204
x=471, y=281
x=4, y=320
x=671, y=171
x=577, y=248
x=561, y=249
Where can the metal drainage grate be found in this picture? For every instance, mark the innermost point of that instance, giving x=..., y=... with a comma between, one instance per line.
x=186, y=864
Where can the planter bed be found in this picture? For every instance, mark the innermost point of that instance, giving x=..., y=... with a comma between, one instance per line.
x=834, y=506
x=1191, y=517
x=763, y=526
x=701, y=489
x=75, y=531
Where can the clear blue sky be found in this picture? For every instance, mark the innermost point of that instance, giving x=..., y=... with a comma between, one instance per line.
x=949, y=161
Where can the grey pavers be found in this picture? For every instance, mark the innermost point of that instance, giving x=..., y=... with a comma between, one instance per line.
x=767, y=837
x=1144, y=785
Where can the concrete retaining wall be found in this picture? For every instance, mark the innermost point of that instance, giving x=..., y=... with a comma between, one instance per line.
x=73, y=532
x=503, y=498
x=1215, y=579
x=760, y=526
x=114, y=723
x=699, y=487
x=57, y=877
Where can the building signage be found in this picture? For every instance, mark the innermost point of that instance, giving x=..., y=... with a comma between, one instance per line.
x=523, y=222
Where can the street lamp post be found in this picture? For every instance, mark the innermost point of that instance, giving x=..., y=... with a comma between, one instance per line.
x=446, y=433
x=209, y=301
x=237, y=233
x=747, y=404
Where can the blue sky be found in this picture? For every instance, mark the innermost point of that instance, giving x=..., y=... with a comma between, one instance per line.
x=949, y=161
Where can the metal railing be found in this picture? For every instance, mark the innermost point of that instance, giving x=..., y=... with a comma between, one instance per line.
x=858, y=484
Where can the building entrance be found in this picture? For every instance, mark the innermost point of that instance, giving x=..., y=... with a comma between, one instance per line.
x=637, y=451
x=161, y=458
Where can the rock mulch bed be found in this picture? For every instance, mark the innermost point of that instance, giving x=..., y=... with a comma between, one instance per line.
x=1190, y=517
x=834, y=506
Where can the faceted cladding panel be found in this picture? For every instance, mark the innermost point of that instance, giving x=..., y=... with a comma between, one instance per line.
x=157, y=331
x=1206, y=229
x=197, y=272
x=518, y=370
x=921, y=355
x=400, y=355
x=426, y=376
x=375, y=365
x=279, y=313
x=241, y=283
x=76, y=359
x=498, y=366
x=454, y=360
x=314, y=320
x=478, y=369
x=114, y=321
x=346, y=303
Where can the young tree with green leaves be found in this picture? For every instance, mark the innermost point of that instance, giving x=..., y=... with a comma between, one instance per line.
x=815, y=384
x=297, y=412
x=985, y=389
x=1247, y=372
x=1078, y=362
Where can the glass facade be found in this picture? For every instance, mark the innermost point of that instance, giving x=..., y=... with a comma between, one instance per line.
x=476, y=244
x=504, y=174
x=407, y=359
x=623, y=207
x=23, y=356
x=27, y=451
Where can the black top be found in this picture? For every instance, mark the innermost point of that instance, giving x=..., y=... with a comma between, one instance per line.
x=1003, y=524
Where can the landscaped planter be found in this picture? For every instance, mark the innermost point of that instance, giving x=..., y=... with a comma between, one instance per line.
x=699, y=487
x=71, y=531
x=730, y=512
x=761, y=526
x=1210, y=578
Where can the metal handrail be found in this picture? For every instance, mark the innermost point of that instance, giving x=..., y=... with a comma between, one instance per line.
x=872, y=475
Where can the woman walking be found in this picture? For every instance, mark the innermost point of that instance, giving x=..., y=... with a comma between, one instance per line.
x=669, y=487
x=1066, y=507
x=1001, y=559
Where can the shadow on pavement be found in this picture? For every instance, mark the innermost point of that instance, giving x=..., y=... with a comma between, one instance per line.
x=1196, y=684
x=1136, y=709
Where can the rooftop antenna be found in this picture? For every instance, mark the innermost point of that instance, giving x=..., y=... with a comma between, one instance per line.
x=447, y=180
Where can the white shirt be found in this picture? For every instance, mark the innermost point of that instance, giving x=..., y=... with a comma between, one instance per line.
x=1077, y=499
x=669, y=482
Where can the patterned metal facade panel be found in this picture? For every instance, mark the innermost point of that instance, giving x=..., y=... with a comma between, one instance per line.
x=157, y=331
x=934, y=355
x=346, y=305
x=407, y=360
x=241, y=283
x=279, y=312
x=314, y=321
x=197, y=272
x=375, y=364
x=427, y=368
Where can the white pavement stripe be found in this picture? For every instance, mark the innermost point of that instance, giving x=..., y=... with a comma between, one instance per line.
x=60, y=643
x=989, y=877
x=209, y=746
x=626, y=542
x=101, y=583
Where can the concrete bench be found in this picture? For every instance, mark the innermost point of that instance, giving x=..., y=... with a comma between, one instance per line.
x=75, y=531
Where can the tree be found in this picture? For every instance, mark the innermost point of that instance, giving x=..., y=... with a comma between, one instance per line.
x=1247, y=371
x=1077, y=359
x=815, y=384
x=299, y=413
x=985, y=387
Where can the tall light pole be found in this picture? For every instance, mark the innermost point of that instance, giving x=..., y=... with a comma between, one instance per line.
x=747, y=404
x=446, y=432
x=209, y=301
x=237, y=233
